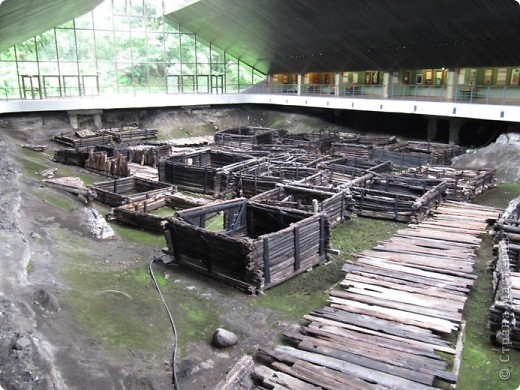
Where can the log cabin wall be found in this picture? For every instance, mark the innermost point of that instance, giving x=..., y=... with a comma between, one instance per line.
x=248, y=136
x=337, y=206
x=207, y=172
x=258, y=247
x=464, y=184
x=76, y=157
x=433, y=153
x=129, y=190
x=504, y=313
x=397, y=198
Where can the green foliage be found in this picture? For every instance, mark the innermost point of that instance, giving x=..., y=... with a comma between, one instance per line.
x=146, y=49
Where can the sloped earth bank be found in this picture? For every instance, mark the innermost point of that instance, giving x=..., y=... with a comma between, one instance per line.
x=78, y=313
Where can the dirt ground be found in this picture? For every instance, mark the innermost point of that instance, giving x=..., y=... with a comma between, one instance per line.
x=79, y=313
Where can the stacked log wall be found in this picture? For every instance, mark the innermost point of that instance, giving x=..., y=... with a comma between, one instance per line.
x=464, y=184
x=100, y=163
x=504, y=315
x=257, y=258
x=396, y=199
x=337, y=206
x=121, y=191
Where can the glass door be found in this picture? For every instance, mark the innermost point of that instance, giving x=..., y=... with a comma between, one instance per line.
x=31, y=87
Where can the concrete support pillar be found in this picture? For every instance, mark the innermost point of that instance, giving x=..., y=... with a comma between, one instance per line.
x=386, y=84
x=450, y=89
x=96, y=114
x=74, y=121
x=431, y=131
x=299, y=86
x=455, y=125
x=97, y=121
x=337, y=79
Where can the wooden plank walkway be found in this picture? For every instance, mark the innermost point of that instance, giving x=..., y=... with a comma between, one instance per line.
x=397, y=308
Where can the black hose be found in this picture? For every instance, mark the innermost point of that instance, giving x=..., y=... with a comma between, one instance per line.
x=170, y=317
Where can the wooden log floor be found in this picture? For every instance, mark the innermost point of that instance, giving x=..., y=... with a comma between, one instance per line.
x=399, y=305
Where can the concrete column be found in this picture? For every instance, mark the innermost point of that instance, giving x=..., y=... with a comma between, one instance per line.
x=337, y=78
x=455, y=125
x=97, y=121
x=452, y=79
x=299, y=86
x=74, y=121
x=431, y=131
x=386, y=84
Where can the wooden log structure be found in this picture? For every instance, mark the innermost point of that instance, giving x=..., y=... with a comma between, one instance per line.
x=257, y=246
x=207, y=172
x=318, y=142
x=130, y=190
x=504, y=313
x=70, y=156
x=352, y=150
x=432, y=153
x=140, y=214
x=266, y=175
x=464, y=184
x=344, y=170
x=337, y=206
x=245, y=137
x=100, y=163
x=508, y=227
x=76, y=142
x=396, y=198
x=374, y=140
x=34, y=147
x=399, y=306
x=128, y=134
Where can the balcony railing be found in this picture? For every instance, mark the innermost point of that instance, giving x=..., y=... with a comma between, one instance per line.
x=479, y=94
x=473, y=94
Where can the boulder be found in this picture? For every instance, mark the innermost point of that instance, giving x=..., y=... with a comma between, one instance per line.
x=47, y=300
x=223, y=338
x=22, y=343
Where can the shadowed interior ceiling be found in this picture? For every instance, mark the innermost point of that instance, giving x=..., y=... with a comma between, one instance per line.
x=278, y=36
x=23, y=19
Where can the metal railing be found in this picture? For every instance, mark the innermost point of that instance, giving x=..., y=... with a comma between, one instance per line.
x=474, y=94
x=479, y=94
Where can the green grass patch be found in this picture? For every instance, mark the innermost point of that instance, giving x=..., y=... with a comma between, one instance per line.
x=58, y=199
x=33, y=168
x=215, y=223
x=120, y=309
x=309, y=290
x=36, y=162
x=146, y=238
x=164, y=212
x=196, y=318
x=482, y=363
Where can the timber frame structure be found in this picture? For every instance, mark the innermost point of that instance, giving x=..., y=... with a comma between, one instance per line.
x=257, y=247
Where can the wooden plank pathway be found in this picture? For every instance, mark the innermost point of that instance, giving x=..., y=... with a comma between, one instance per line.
x=396, y=310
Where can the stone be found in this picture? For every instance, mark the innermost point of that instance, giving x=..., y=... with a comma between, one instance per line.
x=508, y=139
x=22, y=343
x=98, y=224
x=223, y=338
x=47, y=300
